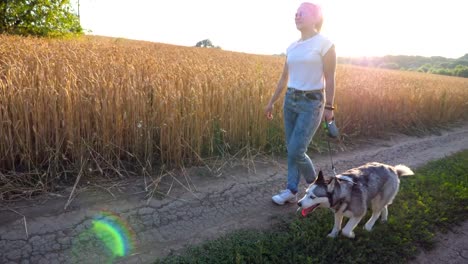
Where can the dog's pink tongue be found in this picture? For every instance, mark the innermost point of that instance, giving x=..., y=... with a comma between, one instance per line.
x=306, y=211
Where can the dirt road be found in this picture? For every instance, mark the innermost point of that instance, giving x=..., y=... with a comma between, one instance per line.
x=199, y=207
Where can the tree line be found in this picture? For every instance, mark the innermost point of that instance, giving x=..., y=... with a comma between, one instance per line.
x=435, y=65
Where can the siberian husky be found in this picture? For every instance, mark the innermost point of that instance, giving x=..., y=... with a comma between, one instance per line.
x=349, y=193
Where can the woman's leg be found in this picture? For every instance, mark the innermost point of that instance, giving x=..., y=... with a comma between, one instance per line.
x=290, y=118
x=308, y=115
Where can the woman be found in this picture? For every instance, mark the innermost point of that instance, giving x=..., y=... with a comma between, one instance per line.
x=309, y=74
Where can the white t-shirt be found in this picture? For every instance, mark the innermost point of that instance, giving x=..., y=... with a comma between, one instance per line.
x=305, y=64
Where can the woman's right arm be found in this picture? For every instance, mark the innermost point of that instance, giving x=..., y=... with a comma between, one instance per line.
x=283, y=81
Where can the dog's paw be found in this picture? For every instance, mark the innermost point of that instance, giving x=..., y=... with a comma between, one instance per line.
x=368, y=227
x=333, y=234
x=348, y=235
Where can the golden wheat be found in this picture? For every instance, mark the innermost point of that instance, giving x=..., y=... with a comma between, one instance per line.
x=98, y=102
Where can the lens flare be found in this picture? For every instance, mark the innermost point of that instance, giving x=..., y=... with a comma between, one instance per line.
x=114, y=233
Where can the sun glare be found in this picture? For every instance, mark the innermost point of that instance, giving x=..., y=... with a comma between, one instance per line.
x=358, y=28
x=377, y=28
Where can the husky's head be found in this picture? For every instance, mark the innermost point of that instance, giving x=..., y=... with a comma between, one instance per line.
x=317, y=195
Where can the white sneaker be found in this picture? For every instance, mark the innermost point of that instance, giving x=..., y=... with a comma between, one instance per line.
x=284, y=196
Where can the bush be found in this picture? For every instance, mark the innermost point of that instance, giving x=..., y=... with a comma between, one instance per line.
x=461, y=71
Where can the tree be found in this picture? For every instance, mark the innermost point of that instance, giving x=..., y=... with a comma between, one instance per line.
x=441, y=71
x=425, y=68
x=38, y=17
x=206, y=43
x=461, y=71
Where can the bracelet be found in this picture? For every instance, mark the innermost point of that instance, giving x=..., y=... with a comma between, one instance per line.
x=329, y=107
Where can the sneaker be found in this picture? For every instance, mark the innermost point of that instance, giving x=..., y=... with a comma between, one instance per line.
x=284, y=196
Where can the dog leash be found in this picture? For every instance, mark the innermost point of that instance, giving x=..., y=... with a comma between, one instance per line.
x=332, y=132
x=333, y=165
x=331, y=158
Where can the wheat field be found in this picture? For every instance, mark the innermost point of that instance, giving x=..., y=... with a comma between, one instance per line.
x=97, y=103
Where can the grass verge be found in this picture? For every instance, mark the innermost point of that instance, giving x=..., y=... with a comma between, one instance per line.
x=433, y=200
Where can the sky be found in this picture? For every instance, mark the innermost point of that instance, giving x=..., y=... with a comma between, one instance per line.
x=357, y=27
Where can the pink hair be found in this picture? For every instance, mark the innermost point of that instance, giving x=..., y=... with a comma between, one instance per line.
x=316, y=11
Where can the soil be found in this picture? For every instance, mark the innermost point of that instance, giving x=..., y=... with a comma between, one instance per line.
x=200, y=204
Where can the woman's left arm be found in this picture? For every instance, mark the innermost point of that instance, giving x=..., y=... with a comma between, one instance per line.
x=329, y=68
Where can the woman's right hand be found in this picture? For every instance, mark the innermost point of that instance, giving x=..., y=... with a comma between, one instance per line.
x=279, y=89
x=269, y=111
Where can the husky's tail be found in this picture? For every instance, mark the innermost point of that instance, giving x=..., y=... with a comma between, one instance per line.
x=402, y=170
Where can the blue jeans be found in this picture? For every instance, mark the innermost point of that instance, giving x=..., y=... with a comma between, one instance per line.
x=302, y=116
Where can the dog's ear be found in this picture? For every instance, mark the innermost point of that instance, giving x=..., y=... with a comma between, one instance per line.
x=320, y=179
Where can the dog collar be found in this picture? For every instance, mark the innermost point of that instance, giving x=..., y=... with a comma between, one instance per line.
x=334, y=204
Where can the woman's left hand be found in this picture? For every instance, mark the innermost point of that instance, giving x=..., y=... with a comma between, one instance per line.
x=328, y=115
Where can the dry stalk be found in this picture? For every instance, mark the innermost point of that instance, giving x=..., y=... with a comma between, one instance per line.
x=24, y=220
x=70, y=198
x=91, y=150
x=199, y=158
x=156, y=185
x=181, y=184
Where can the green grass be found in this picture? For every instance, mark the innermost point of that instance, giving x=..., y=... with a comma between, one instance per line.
x=433, y=200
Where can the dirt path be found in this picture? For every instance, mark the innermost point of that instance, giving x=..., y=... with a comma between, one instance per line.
x=451, y=248
x=206, y=208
